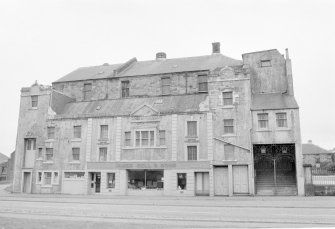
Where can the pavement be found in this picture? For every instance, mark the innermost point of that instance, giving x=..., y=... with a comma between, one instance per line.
x=101, y=211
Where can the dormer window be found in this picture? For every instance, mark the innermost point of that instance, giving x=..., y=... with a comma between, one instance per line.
x=265, y=63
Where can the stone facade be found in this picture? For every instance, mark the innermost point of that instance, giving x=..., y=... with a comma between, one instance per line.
x=190, y=132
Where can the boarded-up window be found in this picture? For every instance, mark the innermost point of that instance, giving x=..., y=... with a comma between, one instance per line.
x=227, y=98
x=49, y=154
x=40, y=153
x=127, y=138
x=192, y=153
x=181, y=181
x=192, y=129
x=281, y=119
x=110, y=180
x=77, y=131
x=162, y=137
x=51, y=132
x=125, y=88
x=34, y=101
x=104, y=132
x=228, y=125
x=75, y=154
x=87, y=91
x=166, y=84
x=47, y=178
x=263, y=120
x=229, y=152
x=103, y=154
x=203, y=84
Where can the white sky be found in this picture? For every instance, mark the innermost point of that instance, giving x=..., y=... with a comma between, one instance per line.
x=45, y=39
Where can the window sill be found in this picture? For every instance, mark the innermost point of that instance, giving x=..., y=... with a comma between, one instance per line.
x=227, y=106
x=49, y=140
x=74, y=162
x=263, y=130
x=33, y=108
x=76, y=140
x=283, y=129
x=144, y=147
x=48, y=162
x=46, y=185
x=39, y=159
x=103, y=140
x=228, y=135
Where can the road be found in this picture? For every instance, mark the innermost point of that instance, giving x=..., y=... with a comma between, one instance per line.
x=64, y=211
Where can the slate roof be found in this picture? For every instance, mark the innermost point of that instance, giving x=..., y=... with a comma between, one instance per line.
x=3, y=158
x=310, y=148
x=152, y=67
x=273, y=101
x=126, y=106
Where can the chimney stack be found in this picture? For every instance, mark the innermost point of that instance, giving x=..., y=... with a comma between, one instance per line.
x=161, y=56
x=216, y=48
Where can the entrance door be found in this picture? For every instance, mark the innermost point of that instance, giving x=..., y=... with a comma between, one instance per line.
x=26, y=182
x=95, y=182
x=202, y=183
x=221, y=181
x=240, y=179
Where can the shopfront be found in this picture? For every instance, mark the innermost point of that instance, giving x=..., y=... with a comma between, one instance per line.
x=145, y=181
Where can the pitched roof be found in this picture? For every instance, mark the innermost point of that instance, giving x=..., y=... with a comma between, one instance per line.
x=3, y=158
x=151, y=67
x=310, y=148
x=127, y=106
x=273, y=101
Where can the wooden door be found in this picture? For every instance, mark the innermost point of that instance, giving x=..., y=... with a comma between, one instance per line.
x=27, y=182
x=240, y=179
x=221, y=181
x=202, y=183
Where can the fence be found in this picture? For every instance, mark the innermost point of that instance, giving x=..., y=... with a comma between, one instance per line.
x=322, y=176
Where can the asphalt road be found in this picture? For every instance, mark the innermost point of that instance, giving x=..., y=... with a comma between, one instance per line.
x=64, y=211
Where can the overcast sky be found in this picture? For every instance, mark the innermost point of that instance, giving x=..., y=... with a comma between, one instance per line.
x=44, y=40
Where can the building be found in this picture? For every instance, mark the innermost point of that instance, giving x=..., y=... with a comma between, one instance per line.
x=3, y=167
x=316, y=156
x=205, y=125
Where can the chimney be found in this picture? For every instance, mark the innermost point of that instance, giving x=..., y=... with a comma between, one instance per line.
x=310, y=142
x=290, y=90
x=161, y=56
x=216, y=48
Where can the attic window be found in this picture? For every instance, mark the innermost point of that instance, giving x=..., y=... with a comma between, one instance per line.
x=265, y=63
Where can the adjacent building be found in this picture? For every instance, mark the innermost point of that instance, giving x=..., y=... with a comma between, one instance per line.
x=205, y=125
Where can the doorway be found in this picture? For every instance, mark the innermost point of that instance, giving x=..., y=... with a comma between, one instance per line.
x=95, y=182
x=26, y=182
x=221, y=181
x=202, y=183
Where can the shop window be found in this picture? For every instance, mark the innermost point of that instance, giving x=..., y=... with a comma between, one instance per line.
x=202, y=83
x=103, y=131
x=166, y=83
x=49, y=154
x=103, y=154
x=34, y=101
x=227, y=98
x=263, y=120
x=125, y=88
x=162, y=137
x=77, y=132
x=228, y=125
x=51, y=132
x=229, y=152
x=87, y=91
x=76, y=154
x=74, y=175
x=181, y=181
x=55, y=179
x=192, y=153
x=127, y=138
x=47, y=178
x=192, y=129
x=281, y=119
x=145, y=179
x=145, y=138
x=110, y=180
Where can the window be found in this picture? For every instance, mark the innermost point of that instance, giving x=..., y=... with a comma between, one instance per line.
x=146, y=179
x=192, y=129
x=75, y=154
x=87, y=91
x=104, y=132
x=263, y=120
x=47, y=178
x=103, y=154
x=145, y=138
x=55, y=179
x=51, y=132
x=281, y=120
x=40, y=153
x=30, y=144
x=110, y=180
x=227, y=98
x=125, y=88
x=77, y=131
x=127, y=138
x=166, y=83
x=265, y=63
x=162, y=137
x=34, y=101
x=74, y=175
x=39, y=178
x=203, y=84
x=192, y=153
x=229, y=152
x=49, y=154
x=181, y=181
x=228, y=125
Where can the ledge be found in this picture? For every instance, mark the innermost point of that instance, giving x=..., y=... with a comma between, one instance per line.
x=147, y=147
x=48, y=162
x=74, y=162
x=76, y=140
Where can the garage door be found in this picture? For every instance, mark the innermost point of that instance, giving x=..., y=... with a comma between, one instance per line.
x=221, y=181
x=240, y=179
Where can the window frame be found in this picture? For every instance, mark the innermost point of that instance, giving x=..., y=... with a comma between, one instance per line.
x=166, y=85
x=43, y=177
x=265, y=63
x=34, y=99
x=75, y=132
x=75, y=153
x=125, y=88
x=184, y=176
x=202, y=82
x=196, y=153
x=160, y=137
x=102, y=133
x=99, y=152
x=51, y=134
x=151, y=143
x=227, y=127
x=48, y=153
x=127, y=139
x=225, y=98
x=225, y=153
x=263, y=120
x=107, y=180
x=279, y=120
x=196, y=129
x=87, y=91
